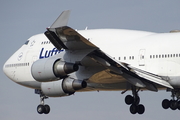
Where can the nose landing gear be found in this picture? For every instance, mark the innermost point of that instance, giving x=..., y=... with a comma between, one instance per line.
x=42, y=108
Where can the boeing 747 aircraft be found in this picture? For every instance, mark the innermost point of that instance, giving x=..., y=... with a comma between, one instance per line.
x=63, y=61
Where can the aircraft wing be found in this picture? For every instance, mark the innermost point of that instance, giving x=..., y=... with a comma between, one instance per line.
x=67, y=38
x=135, y=76
x=62, y=36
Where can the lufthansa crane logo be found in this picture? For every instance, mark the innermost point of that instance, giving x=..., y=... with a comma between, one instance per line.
x=20, y=56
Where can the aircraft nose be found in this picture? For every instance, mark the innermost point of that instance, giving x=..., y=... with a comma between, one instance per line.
x=7, y=70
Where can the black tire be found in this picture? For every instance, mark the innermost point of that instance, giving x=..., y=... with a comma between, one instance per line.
x=173, y=105
x=140, y=109
x=133, y=109
x=40, y=109
x=165, y=103
x=178, y=105
x=47, y=109
x=129, y=99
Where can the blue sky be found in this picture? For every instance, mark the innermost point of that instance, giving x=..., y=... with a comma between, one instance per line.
x=21, y=19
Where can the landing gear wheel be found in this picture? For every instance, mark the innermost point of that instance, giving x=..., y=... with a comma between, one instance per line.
x=178, y=105
x=129, y=99
x=165, y=103
x=140, y=109
x=173, y=105
x=43, y=109
x=47, y=109
x=133, y=109
x=40, y=109
x=134, y=101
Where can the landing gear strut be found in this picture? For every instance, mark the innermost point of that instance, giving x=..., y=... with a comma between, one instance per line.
x=42, y=108
x=134, y=101
x=174, y=103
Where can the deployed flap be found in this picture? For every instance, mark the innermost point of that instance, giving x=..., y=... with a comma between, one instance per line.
x=152, y=77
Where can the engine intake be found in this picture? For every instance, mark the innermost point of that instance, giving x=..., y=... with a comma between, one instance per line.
x=64, y=87
x=49, y=69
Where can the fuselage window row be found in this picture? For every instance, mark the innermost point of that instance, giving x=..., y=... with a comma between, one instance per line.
x=45, y=42
x=130, y=58
x=152, y=56
x=165, y=56
x=17, y=65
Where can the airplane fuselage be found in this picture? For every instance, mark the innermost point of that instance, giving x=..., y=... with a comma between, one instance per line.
x=157, y=53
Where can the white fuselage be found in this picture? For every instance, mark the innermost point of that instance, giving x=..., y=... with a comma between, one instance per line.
x=153, y=52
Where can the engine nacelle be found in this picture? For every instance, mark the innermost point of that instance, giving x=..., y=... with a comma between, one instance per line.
x=49, y=69
x=63, y=87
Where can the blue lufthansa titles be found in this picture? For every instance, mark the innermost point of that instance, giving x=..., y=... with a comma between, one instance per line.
x=48, y=53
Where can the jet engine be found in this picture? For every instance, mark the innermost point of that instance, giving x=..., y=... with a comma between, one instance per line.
x=63, y=87
x=51, y=69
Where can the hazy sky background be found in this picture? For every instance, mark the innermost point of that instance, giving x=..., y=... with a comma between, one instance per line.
x=20, y=19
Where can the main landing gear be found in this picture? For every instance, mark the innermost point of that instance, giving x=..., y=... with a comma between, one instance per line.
x=42, y=108
x=134, y=101
x=174, y=103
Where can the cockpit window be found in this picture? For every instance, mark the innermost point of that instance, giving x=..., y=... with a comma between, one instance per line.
x=26, y=42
